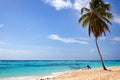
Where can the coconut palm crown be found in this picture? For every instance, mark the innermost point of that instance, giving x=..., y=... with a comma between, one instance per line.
x=97, y=18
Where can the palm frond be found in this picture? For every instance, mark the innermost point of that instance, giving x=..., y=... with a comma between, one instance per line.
x=107, y=7
x=103, y=25
x=97, y=18
x=89, y=29
x=108, y=15
x=84, y=9
x=86, y=21
x=83, y=17
x=105, y=19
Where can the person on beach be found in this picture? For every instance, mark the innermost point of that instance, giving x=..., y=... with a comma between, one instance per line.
x=88, y=67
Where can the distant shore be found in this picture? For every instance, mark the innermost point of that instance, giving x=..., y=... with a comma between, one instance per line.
x=113, y=73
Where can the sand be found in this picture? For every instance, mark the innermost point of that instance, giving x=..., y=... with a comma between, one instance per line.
x=113, y=73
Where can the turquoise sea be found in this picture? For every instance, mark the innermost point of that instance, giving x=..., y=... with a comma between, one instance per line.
x=18, y=68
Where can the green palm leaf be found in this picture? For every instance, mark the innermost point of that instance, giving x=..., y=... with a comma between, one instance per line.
x=83, y=17
x=96, y=18
x=84, y=9
x=86, y=21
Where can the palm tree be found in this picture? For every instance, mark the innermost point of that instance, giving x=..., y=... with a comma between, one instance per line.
x=96, y=18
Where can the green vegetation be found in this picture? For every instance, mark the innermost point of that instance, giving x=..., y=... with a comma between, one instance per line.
x=97, y=18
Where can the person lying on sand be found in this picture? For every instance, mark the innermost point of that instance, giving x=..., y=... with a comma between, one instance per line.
x=88, y=67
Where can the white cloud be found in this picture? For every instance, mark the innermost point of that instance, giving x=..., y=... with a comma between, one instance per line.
x=116, y=39
x=2, y=43
x=18, y=51
x=78, y=4
x=93, y=50
x=66, y=40
x=1, y=25
x=11, y=51
x=83, y=38
x=102, y=38
x=116, y=18
x=59, y=4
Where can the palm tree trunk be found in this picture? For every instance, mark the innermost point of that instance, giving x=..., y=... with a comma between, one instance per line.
x=104, y=68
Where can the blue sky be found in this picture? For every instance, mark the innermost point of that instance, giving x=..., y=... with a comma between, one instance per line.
x=48, y=29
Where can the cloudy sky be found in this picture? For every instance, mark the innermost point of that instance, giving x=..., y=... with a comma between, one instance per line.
x=48, y=29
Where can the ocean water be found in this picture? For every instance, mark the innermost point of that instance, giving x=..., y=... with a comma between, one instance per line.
x=18, y=68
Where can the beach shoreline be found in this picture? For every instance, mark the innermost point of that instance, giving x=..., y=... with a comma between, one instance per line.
x=92, y=74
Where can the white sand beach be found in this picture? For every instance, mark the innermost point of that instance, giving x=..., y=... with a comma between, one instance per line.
x=113, y=73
